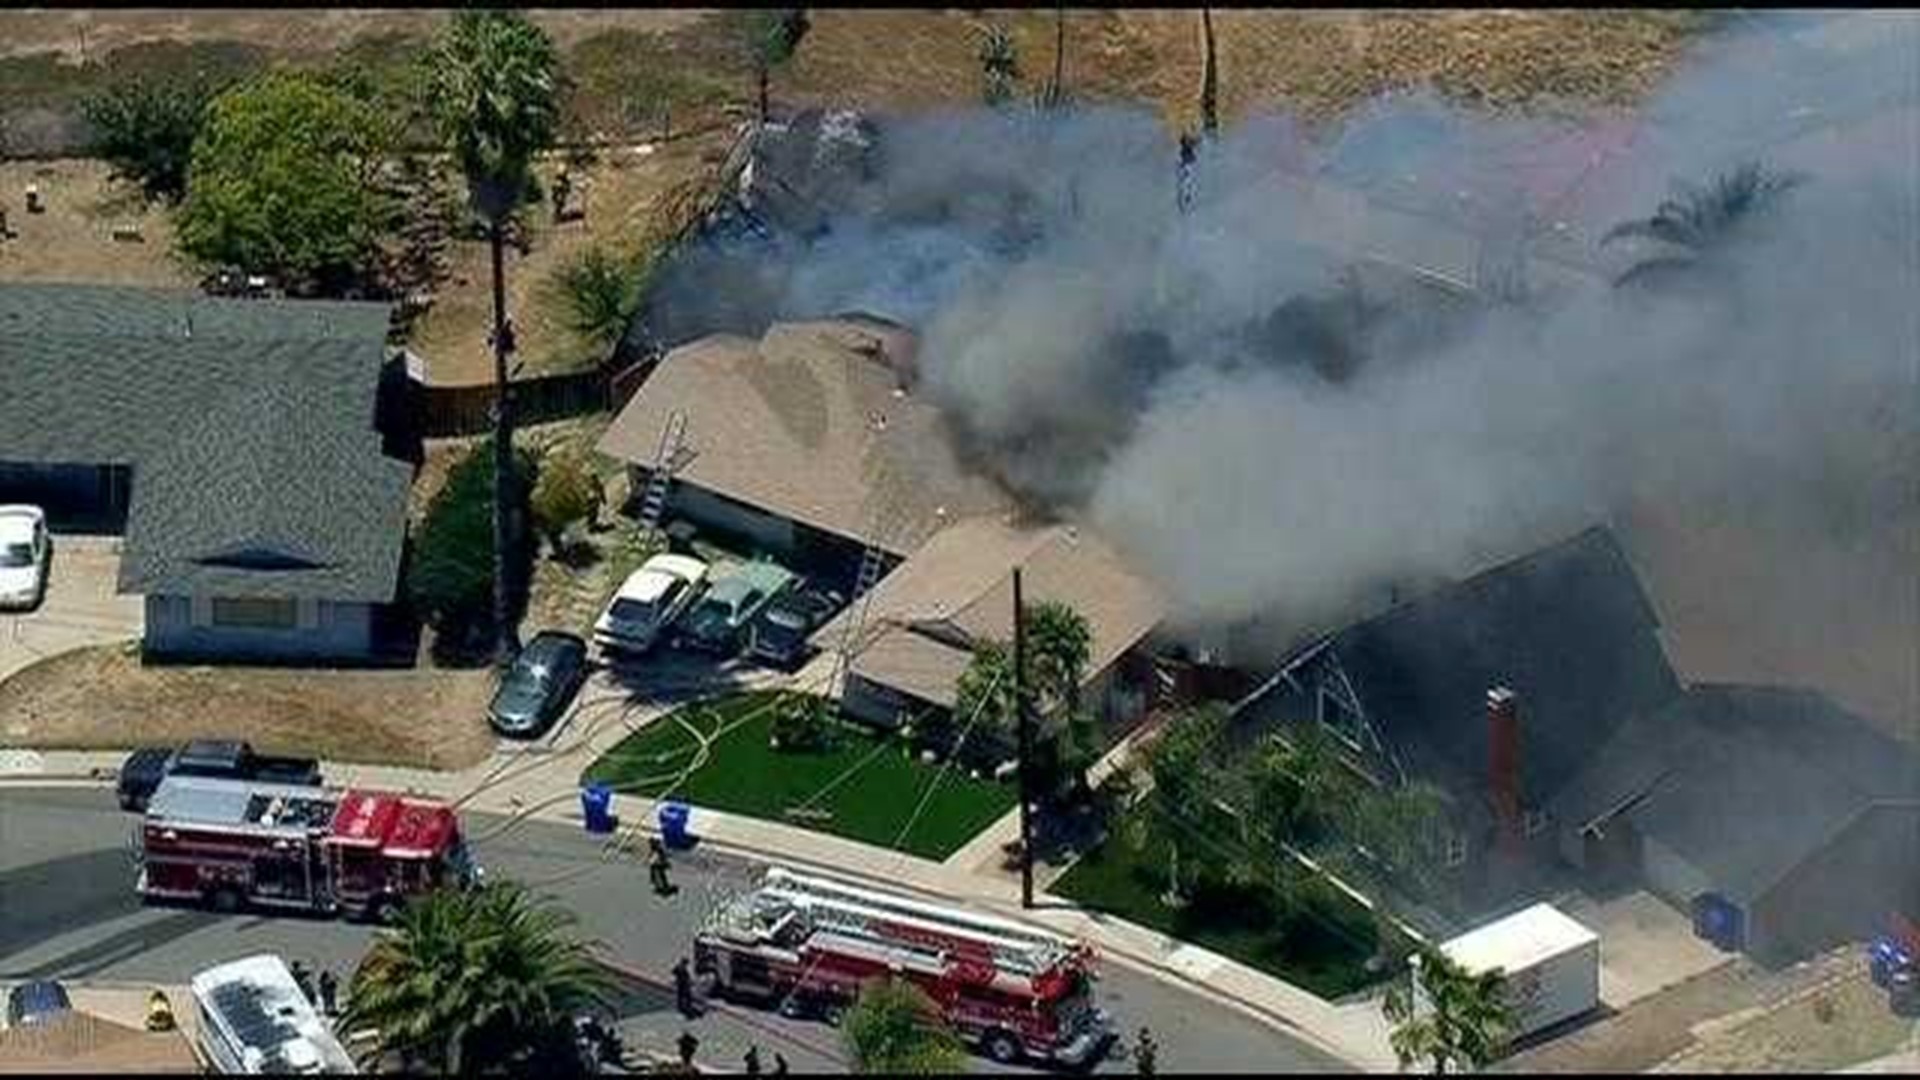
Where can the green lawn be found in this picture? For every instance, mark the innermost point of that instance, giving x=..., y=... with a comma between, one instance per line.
x=875, y=787
x=1322, y=944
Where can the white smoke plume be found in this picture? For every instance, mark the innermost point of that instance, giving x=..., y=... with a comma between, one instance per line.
x=1270, y=443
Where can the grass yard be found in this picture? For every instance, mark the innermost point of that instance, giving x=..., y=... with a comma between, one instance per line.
x=1323, y=944
x=865, y=788
x=104, y=698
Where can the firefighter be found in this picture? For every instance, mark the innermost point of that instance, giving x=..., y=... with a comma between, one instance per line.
x=329, y=992
x=303, y=979
x=1145, y=1054
x=779, y=1063
x=657, y=866
x=689, y=1046
x=753, y=1061
x=683, y=987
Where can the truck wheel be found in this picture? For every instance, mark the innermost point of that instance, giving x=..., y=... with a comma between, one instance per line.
x=832, y=1013
x=385, y=911
x=225, y=900
x=1002, y=1047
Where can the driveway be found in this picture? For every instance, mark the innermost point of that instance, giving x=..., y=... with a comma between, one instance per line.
x=81, y=607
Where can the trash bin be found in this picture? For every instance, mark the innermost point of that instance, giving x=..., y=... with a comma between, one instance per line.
x=673, y=825
x=596, y=805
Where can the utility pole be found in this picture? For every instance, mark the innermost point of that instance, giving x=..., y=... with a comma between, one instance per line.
x=1023, y=720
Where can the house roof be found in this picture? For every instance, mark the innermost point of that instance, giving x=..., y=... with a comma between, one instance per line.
x=257, y=465
x=957, y=589
x=809, y=423
x=81, y=1042
x=1744, y=782
x=1567, y=628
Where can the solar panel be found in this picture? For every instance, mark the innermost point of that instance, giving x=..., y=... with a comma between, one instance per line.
x=254, y=1018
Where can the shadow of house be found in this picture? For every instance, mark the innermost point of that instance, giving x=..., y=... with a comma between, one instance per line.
x=238, y=443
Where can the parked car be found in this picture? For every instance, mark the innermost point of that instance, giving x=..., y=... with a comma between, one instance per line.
x=36, y=1003
x=25, y=550
x=143, y=770
x=734, y=598
x=535, y=691
x=779, y=635
x=649, y=601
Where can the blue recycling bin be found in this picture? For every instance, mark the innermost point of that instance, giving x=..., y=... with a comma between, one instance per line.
x=596, y=805
x=673, y=825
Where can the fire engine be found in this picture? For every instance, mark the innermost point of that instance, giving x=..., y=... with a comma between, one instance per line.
x=228, y=843
x=806, y=944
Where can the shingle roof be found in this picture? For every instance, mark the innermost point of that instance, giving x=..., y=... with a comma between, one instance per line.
x=1568, y=628
x=257, y=467
x=808, y=423
x=1744, y=782
x=958, y=588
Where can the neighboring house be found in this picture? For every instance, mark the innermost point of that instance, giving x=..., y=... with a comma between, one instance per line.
x=919, y=627
x=1567, y=630
x=1795, y=818
x=236, y=445
x=805, y=443
x=1539, y=696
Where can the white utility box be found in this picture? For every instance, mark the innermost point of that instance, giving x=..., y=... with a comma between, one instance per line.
x=1551, y=962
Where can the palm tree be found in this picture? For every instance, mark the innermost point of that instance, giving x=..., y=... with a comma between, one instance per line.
x=1451, y=1017
x=476, y=979
x=494, y=100
x=896, y=1030
x=1699, y=220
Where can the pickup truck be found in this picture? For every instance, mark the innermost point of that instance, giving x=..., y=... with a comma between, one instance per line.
x=146, y=767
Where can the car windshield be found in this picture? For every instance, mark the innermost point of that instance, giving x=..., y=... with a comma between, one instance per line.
x=535, y=673
x=632, y=611
x=17, y=555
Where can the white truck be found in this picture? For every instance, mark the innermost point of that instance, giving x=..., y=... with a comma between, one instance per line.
x=1551, y=964
x=254, y=1021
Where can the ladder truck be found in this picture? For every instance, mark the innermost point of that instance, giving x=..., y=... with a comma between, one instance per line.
x=806, y=944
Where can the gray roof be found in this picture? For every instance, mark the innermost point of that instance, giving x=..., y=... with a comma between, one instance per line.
x=1567, y=627
x=1744, y=782
x=249, y=425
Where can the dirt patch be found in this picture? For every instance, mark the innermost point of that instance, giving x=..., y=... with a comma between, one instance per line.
x=1823, y=1031
x=73, y=240
x=105, y=698
x=81, y=34
x=1319, y=62
x=619, y=192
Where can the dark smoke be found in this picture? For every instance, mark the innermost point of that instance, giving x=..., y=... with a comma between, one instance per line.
x=1278, y=426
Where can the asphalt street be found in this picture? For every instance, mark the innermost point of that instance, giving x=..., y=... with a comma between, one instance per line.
x=68, y=910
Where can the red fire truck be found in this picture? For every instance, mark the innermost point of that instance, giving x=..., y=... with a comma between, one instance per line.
x=806, y=944
x=228, y=843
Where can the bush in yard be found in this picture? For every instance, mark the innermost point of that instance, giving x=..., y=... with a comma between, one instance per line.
x=146, y=129
x=567, y=492
x=600, y=294
x=451, y=580
x=801, y=723
x=282, y=182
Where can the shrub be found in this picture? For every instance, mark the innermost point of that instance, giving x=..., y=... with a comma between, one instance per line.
x=567, y=492
x=801, y=723
x=450, y=582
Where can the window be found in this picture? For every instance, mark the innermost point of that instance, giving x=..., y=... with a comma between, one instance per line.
x=1455, y=851
x=256, y=613
x=1534, y=822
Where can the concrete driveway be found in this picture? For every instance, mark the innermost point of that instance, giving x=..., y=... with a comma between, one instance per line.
x=80, y=609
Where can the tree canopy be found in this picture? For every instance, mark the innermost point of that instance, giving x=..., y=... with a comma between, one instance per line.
x=896, y=1030
x=281, y=182
x=494, y=96
x=478, y=980
x=146, y=129
x=600, y=293
x=1456, y=1019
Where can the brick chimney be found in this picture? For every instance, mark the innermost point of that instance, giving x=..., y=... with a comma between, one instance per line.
x=1503, y=763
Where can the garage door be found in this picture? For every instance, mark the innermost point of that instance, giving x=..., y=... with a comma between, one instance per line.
x=77, y=498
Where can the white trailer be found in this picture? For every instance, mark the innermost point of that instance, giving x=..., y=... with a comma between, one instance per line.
x=254, y=1020
x=1551, y=964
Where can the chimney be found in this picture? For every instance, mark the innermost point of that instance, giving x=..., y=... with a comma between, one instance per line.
x=1503, y=763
